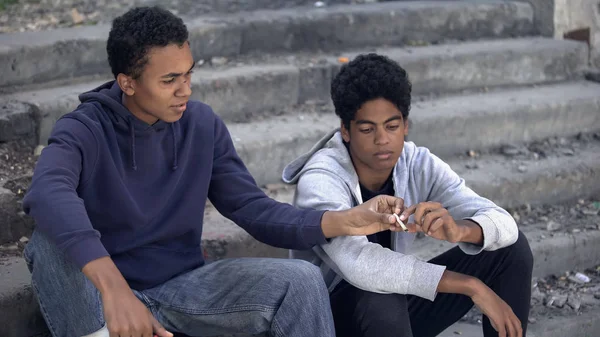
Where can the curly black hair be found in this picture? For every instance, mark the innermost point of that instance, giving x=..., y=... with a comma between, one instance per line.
x=135, y=32
x=367, y=77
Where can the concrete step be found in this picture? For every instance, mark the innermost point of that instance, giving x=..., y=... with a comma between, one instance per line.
x=223, y=239
x=34, y=57
x=265, y=86
x=473, y=121
x=573, y=324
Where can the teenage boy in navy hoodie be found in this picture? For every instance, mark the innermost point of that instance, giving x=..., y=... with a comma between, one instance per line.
x=118, y=196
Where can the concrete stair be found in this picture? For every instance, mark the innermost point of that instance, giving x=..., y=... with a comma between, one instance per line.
x=264, y=87
x=27, y=58
x=480, y=79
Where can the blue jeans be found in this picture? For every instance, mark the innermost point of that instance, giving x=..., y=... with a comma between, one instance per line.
x=277, y=297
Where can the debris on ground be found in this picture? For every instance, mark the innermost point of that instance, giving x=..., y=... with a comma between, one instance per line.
x=558, y=296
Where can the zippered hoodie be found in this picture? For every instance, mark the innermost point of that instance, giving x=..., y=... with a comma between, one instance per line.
x=326, y=180
x=110, y=184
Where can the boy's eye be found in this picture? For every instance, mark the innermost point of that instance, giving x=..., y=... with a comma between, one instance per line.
x=393, y=127
x=169, y=81
x=365, y=130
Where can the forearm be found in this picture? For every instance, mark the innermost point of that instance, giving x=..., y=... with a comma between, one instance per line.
x=471, y=232
x=456, y=283
x=105, y=275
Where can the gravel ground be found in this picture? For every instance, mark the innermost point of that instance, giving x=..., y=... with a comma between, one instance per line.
x=35, y=15
x=562, y=295
x=16, y=166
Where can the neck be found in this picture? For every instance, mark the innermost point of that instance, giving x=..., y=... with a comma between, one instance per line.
x=371, y=179
x=137, y=112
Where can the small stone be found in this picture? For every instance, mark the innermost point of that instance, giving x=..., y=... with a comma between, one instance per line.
x=589, y=300
x=510, y=150
x=591, y=227
x=537, y=295
x=472, y=154
x=597, y=296
x=560, y=301
x=588, y=211
x=9, y=248
x=38, y=150
x=319, y=4
x=24, y=239
x=575, y=230
x=76, y=16
x=553, y=226
x=549, y=300
x=574, y=303
x=522, y=168
x=457, y=333
x=568, y=152
x=472, y=166
x=218, y=61
x=543, y=218
x=532, y=320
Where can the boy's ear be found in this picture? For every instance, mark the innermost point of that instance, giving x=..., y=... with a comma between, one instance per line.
x=345, y=132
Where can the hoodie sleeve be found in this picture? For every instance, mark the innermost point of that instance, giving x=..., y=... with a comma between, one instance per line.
x=443, y=185
x=52, y=198
x=364, y=264
x=234, y=193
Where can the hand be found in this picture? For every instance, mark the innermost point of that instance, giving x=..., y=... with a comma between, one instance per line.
x=501, y=316
x=375, y=215
x=434, y=220
x=126, y=315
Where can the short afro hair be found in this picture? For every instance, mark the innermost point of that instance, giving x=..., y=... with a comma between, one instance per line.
x=134, y=33
x=368, y=77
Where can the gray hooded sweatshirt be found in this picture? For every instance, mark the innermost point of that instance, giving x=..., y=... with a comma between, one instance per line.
x=326, y=180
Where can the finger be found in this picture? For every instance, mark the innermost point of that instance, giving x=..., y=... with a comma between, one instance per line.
x=389, y=204
x=159, y=330
x=387, y=220
x=408, y=212
x=511, y=331
x=501, y=330
x=430, y=217
x=414, y=228
x=518, y=326
x=423, y=208
x=398, y=205
x=435, y=226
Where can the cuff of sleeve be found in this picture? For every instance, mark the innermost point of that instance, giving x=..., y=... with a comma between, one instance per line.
x=425, y=279
x=490, y=235
x=312, y=232
x=86, y=250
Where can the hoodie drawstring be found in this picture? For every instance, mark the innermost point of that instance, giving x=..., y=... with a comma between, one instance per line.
x=133, y=162
x=132, y=131
x=174, y=147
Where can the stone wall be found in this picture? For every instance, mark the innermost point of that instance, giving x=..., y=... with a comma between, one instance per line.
x=570, y=15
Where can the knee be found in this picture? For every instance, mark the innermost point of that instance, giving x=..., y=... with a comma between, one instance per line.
x=520, y=255
x=304, y=275
x=375, y=308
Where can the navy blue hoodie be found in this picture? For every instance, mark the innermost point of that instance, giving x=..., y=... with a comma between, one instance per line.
x=110, y=184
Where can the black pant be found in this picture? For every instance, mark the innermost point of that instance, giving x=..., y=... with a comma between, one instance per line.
x=507, y=271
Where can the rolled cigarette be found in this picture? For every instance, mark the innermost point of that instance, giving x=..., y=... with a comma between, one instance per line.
x=404, y=228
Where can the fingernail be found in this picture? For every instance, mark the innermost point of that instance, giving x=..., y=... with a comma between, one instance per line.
x=402, y=217
x=429, y=233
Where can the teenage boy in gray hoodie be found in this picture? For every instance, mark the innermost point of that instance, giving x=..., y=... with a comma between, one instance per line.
x=376, y=287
